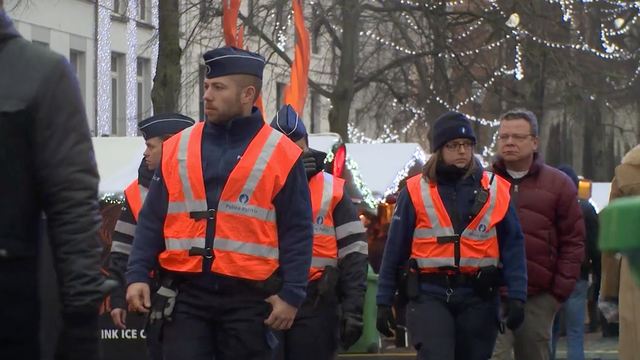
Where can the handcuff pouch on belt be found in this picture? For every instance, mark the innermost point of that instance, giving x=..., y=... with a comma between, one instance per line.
x=271, y=285
x=328, y=282
x=412, y=279
x=487, y=281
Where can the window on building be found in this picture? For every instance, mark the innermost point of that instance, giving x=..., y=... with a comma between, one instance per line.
x=40, y=43
x=315, y=30
x=206, y=9
x=313, y=110
x=280, y=94
x=120, y=6
x=143, y=88
x=250, y=15
x=77, y=60
x=201, y=76
x=142, y=10
x=115, y=94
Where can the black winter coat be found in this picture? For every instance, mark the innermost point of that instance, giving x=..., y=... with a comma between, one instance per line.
x=49, y=168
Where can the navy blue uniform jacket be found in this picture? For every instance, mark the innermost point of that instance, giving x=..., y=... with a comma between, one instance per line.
x=398, y=248
x=222, y=147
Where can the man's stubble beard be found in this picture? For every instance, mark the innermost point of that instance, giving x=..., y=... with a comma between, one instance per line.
x=234, y=111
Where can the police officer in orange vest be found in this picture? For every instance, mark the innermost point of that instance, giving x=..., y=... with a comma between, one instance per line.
x=331, y=316
x=155, y=130
x=228, y=215
x=456, y=238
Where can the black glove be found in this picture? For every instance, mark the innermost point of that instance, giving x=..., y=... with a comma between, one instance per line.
x=385, y=322
x=515, y=314
x=162, y=304
x=351, y=327
x=310, y=165
x=80, y=337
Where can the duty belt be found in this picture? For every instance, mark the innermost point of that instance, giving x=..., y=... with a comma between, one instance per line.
x=449, y=280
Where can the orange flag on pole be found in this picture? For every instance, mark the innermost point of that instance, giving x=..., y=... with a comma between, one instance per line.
x=230, y=10
x=295, y=94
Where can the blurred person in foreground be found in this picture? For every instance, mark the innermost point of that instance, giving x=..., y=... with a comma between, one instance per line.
x=573, y=308
x=547, y=203
x=620, y=296
x=47, y=155
x=452, y=227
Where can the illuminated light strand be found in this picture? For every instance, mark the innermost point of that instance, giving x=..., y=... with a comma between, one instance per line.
x=367, y=195
x=103, y=62
x=156, y=43
x=131, y=72
x=112, y=198
x=419, y=157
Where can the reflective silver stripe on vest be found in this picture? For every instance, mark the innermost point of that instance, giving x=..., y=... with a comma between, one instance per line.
x=319, y=262
x=125, y=228
x=240, y=206
x=120, y=247
x=234, y=207
x=190, y=204
x=143, y=193
x=449, y=261
x=481, y=233
x=319, y=228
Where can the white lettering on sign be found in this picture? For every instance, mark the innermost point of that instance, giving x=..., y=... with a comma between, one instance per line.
x=109, y=334
x=143, y=334
x=130, y=334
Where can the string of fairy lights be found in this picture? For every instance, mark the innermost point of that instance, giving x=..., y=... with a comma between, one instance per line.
x=615, y=24
x=518, y=33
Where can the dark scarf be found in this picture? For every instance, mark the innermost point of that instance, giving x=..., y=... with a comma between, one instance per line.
x=449, y=173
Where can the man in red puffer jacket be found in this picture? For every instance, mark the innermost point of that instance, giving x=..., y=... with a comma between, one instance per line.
x=554, y=231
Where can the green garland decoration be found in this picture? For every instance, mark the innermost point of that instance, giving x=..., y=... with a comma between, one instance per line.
x=367, y=195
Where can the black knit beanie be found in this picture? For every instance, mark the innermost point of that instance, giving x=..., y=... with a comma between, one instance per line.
x=450, y=126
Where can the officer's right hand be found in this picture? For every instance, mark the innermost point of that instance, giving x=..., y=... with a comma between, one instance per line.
x=139, y=297
x=282, y=314
x=119, y=317
x=385, y=321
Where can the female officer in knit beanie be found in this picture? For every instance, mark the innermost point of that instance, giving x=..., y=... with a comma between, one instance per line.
x=452, y=227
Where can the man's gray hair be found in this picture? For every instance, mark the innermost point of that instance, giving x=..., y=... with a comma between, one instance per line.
x=521, y=114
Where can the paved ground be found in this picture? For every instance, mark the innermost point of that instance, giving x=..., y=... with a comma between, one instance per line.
x=596, y=348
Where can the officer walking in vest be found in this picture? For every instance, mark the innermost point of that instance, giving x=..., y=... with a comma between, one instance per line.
x=452, y=227
x=229, y=213
x=338, y=274
x=155, y=130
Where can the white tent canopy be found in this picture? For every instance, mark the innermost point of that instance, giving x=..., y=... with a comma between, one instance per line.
x=323, y=142
x=383, y=166
x=118, y=160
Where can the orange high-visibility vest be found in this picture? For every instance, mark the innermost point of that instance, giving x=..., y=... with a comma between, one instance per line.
x=245, y=243
x=478, y=242
x=326, y=192
x=136, y=194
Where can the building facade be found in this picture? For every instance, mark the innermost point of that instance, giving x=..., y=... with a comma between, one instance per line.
x=113, y=46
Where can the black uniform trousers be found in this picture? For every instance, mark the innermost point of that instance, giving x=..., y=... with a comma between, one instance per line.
x=463, y=328
x=314, y=334
x=220, y=325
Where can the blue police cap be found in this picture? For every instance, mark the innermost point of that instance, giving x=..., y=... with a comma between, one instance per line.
x=230, y=61
x=164, y=124
x=289, y=123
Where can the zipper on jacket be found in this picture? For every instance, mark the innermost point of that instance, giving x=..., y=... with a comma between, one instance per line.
x=206, y=264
